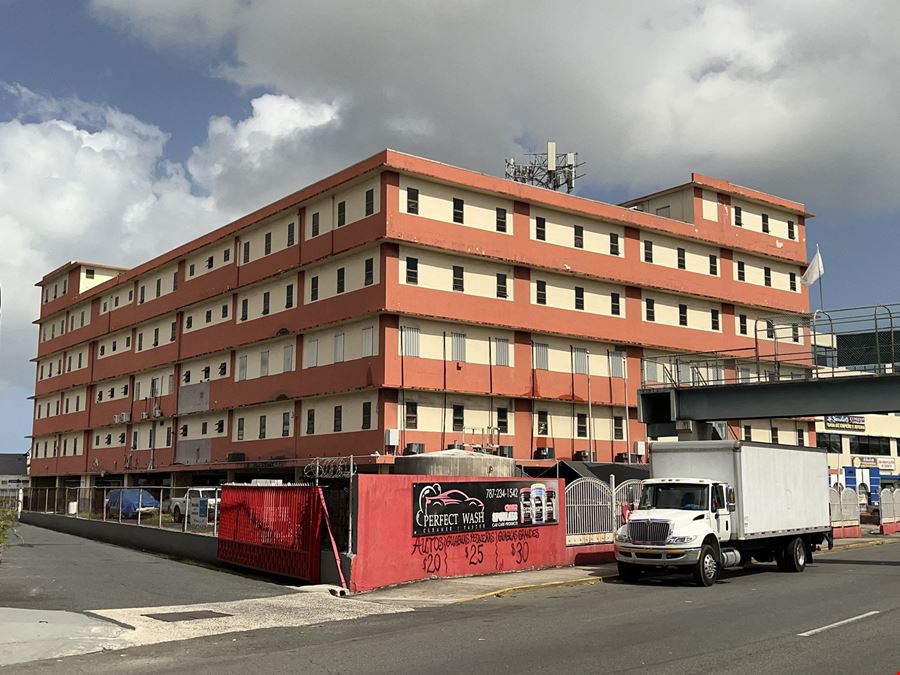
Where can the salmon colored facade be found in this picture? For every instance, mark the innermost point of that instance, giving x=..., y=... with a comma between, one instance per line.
x=402, y=302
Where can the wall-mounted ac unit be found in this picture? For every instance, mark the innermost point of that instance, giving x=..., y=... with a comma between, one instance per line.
x=640, y=448
x=125, y=417
x=117, y=419
x=157, y=412
x=144, y=415
x=392, y=437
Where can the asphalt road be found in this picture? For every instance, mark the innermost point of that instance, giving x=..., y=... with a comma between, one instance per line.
x=49, y=570
x=748, y=623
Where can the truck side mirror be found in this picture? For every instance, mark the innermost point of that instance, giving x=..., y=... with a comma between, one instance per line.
x=731, y=499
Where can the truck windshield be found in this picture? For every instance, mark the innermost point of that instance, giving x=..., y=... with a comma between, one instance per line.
x=688, y=496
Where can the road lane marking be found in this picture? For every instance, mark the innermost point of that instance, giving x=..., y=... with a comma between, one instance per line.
x=839, y=623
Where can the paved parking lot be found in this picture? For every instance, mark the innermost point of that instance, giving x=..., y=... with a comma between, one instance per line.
x=54, y=571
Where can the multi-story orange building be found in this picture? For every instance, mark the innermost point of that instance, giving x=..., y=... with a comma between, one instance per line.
x=396, y=303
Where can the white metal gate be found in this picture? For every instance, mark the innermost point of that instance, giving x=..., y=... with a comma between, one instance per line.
x=590, y=512
x=628, y=494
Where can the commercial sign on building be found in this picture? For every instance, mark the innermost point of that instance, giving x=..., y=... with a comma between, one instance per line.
x=847, y=422
x=451, y=507
x=886, y=464
x=863, y=462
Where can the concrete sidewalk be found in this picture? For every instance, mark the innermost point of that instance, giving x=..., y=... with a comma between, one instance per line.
x=436, y=592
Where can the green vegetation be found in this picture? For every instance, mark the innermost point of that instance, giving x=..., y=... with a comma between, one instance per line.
x=8, y=521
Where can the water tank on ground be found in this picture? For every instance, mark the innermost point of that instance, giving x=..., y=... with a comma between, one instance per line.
x=456, y=463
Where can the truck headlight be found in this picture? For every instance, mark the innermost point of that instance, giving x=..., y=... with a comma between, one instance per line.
x=622, y=535
x=681, y=540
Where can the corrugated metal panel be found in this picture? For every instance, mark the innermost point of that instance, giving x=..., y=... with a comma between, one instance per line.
x=457, y=346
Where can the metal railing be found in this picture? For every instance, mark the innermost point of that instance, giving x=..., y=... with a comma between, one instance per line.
x=180, y=509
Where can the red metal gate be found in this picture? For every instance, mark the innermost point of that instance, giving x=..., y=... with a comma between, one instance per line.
x=272, y=528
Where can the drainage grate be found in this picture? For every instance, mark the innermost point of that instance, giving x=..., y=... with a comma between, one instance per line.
x=186, y=616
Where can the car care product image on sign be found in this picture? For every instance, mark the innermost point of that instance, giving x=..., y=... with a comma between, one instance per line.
x=449, y=507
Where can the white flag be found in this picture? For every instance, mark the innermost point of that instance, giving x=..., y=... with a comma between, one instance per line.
x=815, y=270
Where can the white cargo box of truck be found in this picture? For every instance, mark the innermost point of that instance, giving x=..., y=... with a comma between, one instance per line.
x=778, y=488
x=715, y=504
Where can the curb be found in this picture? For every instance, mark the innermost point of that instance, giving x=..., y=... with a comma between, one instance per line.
x=512, y=590
x=857, y=545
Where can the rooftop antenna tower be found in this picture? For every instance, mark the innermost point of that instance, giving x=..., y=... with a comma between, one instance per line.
x=546, y=169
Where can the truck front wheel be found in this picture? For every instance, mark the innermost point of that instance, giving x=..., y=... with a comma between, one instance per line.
x=795, y=555
x=707, y=570
x=629, y=572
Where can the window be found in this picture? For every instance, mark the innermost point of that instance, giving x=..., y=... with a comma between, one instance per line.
x=341, y=214
x=339, y=348
x=411, y=417
x=80, y=359
x=412, y=270
x=220, y=426
x=369, y=275
x=311, y=421
x=246, y=252
x=174, y=285
x=116, y=301
x=340, y=280
x=829, y=442
x=870, y=445
x=618, y=428
x=457, y=346
x=741, y=272
x=650, y=309
x=774, y=431
x=367, y=415
x=613, y=243
x=501, y=285
x=501, y=219
x=158, y=287
x=186, y=377
x=459, y=413
x=141, y=294
x=792, y=280
x=315, y=225
x=791, y=235
x=210, y=261
x=458, y=206
x=285, y=424
x=223, y=368
x=409, y=340
x=617, y=364
x=224, y=311
x=501, y=351
x=795, y=332
x=767, y=276
x=581, y=425
x=287, y=363
x=748, y=432
x=648, y=251
x=191, y=272
x=208, y=316
x=770, y=329
x=265, y=307
x=579, y=236
x=801, y=438
x=713, y=264
x=240, y=428
x=204, y=428
x=681, y=259
x=267, y=245
x=579, y=297
x=370, y=202
x=742, y=324
x=540, y=229
x=664, y=211
x=242, y=368
x=580, y=360
x=737, y=216
x=541, y=356
x=458, y=283
x=714, y=319
x=262, y=426
x=503, y=420
x=541, y=292
x=89, y=274
x=543, y=427
x=140, y=344
x=368, y=345
x=264, y=363
x=615, y=307
x=314, y=289
x=184, y=430
x=338, y=418
x=105, y=305
x=311, y=354
x=765, y=228
x=245, y=304
x=226, y=255
x=412, y=200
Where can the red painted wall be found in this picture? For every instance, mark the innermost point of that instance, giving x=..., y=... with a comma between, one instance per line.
x=387, y=553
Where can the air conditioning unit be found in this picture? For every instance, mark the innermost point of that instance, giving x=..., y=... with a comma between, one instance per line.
x=640, y=448
x=544, y=453
x=117, y=419
x=157, y=412
x=414, y=449
x=125, y=417
x=505, y=450
x=144, y=414
x=392, y=437
x=582, y=456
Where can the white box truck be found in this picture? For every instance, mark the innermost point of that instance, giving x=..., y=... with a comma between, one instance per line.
x=715, y=504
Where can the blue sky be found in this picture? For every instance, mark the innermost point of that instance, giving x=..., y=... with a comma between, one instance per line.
x=127, y=128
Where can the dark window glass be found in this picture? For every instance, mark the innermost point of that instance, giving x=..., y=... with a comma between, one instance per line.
x=412, y=415
x=613, y=243
x=742, y=275
x=458, y=282
x=767, y=276
x=682, y=315
x=267, y=246
x=581, y=430
x=289, y=296
x=714, y=319
x=245, y=303
x=501, y=220
x=458, y=206
x=615, y=307
x=367, y=415
x=285, y=424
x=765, y=224
x=369, y=272
x=737, y=216
x=503, y=420
x=412, y=200
x=579, y=297
x=342, y=214
x=310, y=421
x=412, y=270
x=338, y=417
x=713, y=265
x=748, y=430
x=540, y=229
x=315, y=225
x=265, y=308
x=650, y=309
x=648, y=251
x=246, y=252
x=681, y=259
x=541, y=292
x=618, y=428
x=791, y=233
x=579, y=236
x=792, y=280
x=458, y=417
x=742, y=320
x=340, y=280
x=370, y=202
x=314, y=288
x=501, y=285
x=542, y=424
x=290, y=234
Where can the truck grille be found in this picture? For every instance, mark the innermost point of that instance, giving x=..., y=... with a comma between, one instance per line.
x=649, y=531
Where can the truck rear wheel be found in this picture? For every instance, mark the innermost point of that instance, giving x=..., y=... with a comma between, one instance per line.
x=707, y=570
x=176, y=514
x=629, y=572
x=795, y=555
